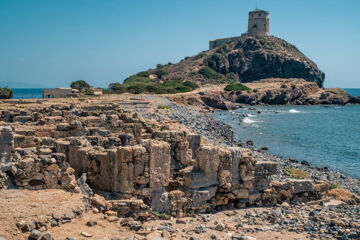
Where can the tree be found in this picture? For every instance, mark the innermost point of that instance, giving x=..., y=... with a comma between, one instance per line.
x=6, y=93
x=80, y=85
x=117, y=87
x=160, y=73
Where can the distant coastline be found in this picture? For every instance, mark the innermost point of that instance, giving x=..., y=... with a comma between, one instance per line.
x=36, y=93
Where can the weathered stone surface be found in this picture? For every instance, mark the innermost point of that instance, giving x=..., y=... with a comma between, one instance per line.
x=265, y=168
x=208, y=158
x=302, y=185
x=160, y=200
x=198, y=179
x=159, y=163
x=6, y=145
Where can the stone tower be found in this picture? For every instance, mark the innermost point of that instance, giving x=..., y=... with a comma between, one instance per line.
x=258, y=23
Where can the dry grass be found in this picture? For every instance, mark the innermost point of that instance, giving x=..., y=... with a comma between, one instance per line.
x=343, y=195
x=296, y=173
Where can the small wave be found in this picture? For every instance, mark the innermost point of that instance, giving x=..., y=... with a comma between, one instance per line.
x=248, y=120
x=250, y=115
x=294, y=111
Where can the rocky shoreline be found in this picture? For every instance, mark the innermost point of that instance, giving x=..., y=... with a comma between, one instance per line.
x=220, y=133
x=322, y=221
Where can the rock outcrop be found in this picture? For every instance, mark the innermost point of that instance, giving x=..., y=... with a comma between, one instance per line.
x=249, y=60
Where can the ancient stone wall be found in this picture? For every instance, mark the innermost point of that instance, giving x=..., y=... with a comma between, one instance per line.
x=138, y=164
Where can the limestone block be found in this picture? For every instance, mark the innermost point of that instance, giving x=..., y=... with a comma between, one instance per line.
x=141, y=167
x=198, y=179
x=254, y=198
x=302, y=185
x=241, y=193
x=22, y=119
x=224, y=177
x=124, y=170
x=6, y=144
x=265, y=168
x=194, y=143
x=160, y=200
x=260, y=184
x=235, y=170
x=159, y=162
x=321, y=186
x=199, y=197
x=21, y=141
x=208, y=158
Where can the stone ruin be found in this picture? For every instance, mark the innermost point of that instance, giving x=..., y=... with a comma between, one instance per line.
x=135, y=166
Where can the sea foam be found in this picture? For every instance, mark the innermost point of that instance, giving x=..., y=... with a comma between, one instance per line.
x=248, y=120
x=294, y=111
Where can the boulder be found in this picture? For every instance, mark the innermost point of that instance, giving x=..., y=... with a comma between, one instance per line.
x=302, y=185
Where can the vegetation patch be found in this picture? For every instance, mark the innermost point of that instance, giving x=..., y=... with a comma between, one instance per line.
x=6, y=93
x=209, y=73
x=343, y=195
x=333, y=186
x=160, y=73
x=232, y=78
x=236, y=87
x=161, y=215
x=296, y=173
x=164, y=107
x=200, y=55
x=80, y=85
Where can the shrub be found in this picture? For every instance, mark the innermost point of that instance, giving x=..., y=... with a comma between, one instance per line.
x=136, y=89
x=144, y=74
x=296, y=173
x=191, y=85
x=283, y=86
x=163, y=107
x=236, y=87
x=209, y=73
x=161, y=215
x=333, y=186
x=201, y=93
x=160, y=73
x=89, y=91
x=80, y=85
x=117, y=87
x=223, y=49
x=200, y=55
x=232, y=78
x=212, y=60
x=6, y=93
x=255, y=90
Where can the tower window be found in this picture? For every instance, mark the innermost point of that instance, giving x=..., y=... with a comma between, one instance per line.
x=259, y=14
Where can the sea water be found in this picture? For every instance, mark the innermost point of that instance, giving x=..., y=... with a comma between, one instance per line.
x=322, y=135
x=26, y=93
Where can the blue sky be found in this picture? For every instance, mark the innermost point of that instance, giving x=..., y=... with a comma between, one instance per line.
x=50, y=43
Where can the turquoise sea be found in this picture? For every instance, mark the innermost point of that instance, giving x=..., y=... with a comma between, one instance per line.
x=322, y=135
x=26, y=93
